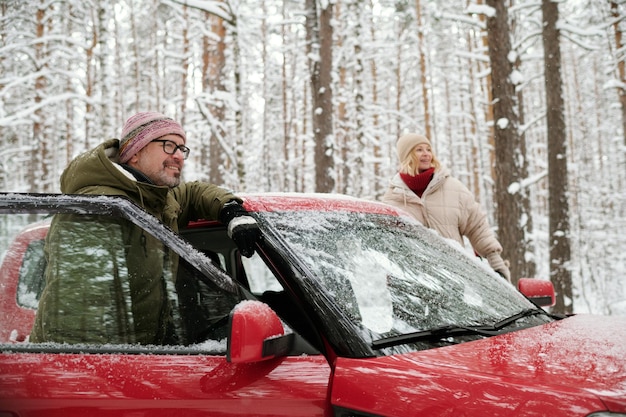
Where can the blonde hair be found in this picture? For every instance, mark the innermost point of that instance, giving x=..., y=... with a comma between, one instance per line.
x=410, y=165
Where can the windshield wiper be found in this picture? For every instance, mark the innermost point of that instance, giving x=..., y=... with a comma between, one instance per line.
x=443, y=332
x=435, y=334
x=515, y=317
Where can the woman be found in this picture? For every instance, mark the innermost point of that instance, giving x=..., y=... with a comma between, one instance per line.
x=426, y=190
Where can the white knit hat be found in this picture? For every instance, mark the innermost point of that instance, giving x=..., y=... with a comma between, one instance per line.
x=407, y=142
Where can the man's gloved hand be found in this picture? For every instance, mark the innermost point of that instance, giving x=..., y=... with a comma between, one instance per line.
x=242, y=228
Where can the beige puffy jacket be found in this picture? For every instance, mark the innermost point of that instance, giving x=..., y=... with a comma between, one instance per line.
x=448, y=207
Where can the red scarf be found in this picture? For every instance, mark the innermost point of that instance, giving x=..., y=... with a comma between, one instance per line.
x=418, y=183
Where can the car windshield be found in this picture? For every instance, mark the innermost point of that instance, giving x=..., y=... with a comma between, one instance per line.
x=391, y=276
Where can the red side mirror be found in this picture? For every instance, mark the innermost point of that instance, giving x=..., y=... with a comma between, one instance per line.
x=539, y=291
x=256, y=333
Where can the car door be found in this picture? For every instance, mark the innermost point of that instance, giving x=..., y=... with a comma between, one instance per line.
x=101, y=365
x=65, y=382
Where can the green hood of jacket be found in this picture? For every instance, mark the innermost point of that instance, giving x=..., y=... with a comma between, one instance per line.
x=98, y=172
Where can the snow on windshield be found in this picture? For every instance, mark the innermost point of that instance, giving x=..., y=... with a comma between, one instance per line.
x=393, y=277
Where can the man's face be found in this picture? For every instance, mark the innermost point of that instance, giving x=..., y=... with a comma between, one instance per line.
x=161, y=167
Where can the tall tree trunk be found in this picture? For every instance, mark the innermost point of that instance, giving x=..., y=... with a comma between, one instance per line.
x=319, y=50
x=105, y=125
x=239, y=129
x=423, y=77
x=342, y=129
x=90, y=81
x=381, y=182
x=268, y=150
x=489, y=116
x=287, y=121
x=508, y=169
x=357, y=163
x=530, y=266
x=38, y=172
x=136, y=60
x=185, y=64
x=474, y=159
x=559, y=233
x=214, y=61
x=619, y=45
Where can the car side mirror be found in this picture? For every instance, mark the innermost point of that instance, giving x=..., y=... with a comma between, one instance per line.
x=255, y=333
x=539, y=291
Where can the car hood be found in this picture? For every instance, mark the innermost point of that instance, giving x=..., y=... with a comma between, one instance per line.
x=578, y=363
x=584, y=351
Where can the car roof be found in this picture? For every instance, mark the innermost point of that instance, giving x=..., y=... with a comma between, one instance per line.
x=269, y=202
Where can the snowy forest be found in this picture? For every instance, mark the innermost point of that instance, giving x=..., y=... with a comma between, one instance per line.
x=524, y=100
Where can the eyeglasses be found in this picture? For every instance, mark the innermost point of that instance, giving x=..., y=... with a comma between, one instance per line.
x=170, y=147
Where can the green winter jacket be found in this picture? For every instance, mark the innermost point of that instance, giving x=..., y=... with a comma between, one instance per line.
x=107, y=281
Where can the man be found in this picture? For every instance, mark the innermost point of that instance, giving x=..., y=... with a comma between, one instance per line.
x=121, y=296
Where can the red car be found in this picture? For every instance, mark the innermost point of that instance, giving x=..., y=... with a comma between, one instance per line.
x=348, y=308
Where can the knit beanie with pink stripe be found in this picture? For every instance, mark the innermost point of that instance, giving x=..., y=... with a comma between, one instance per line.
x=143, y=128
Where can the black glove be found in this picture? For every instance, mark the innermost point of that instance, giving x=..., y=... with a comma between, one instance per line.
x=242, y=228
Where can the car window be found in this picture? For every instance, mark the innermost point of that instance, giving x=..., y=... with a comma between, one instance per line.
x=393, y=277
x=107, y=281
x=31, y=273
x=251, y=272
x=260, y=278
x=23, y=263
